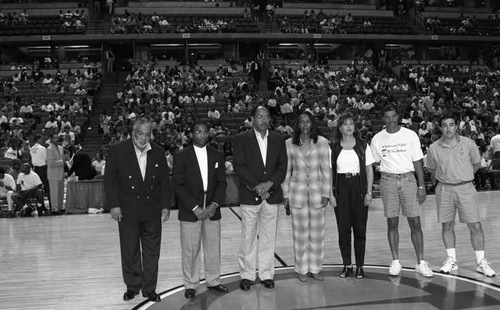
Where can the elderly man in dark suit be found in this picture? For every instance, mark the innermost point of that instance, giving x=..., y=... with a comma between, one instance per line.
x=138, y=194
x=260, y=162
x=200, y=188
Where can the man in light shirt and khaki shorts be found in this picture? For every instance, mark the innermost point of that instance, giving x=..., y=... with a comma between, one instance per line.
x=400, y=155
x=453, y=160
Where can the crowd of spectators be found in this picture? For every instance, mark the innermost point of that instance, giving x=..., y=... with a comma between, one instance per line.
x=12, y=19
x=66, y=108
x=463, y=25
x=173, y=98
x=312, y=22
x=139, y=23
x=77, y=19
x=136, y=23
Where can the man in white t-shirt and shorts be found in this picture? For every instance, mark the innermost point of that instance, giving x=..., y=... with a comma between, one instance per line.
x=400, y=155
x=29, y=186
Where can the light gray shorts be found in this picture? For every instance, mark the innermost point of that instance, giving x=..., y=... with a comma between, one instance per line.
x=451, y=198
x=399, y=192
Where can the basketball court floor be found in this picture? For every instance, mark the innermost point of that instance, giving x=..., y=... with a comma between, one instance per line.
x=73, y=262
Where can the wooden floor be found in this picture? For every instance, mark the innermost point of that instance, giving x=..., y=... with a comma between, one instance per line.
x=73, y=261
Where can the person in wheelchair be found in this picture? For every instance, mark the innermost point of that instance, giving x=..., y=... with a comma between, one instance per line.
x=29, y=186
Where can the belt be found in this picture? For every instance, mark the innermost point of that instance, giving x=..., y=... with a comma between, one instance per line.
x=459, y=183
x=349, y=174
x=398, y=175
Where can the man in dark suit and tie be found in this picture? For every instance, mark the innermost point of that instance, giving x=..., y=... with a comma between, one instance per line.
x=200, y=188
x=138, y=196
x=260, y=162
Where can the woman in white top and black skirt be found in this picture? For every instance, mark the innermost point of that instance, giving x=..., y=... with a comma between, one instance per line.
x=352, y=178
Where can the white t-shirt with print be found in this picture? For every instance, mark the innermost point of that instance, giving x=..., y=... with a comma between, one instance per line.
x=396, y=152
x=28, y=181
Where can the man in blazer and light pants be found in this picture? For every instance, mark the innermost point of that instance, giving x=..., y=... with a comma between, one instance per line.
x=260, y=162
x=55, y=173
x=138, y=195
x=200, y=188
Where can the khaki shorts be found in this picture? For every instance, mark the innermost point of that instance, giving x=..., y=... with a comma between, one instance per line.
x=399, y=193
x=451, y=198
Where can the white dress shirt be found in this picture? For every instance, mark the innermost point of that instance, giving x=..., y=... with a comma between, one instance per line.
x=38, y=155
x=202, y=157
x=262, y=141
x=142, y=158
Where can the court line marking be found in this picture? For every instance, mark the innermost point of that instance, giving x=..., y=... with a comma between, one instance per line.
x=146, y=304
x=278, y=258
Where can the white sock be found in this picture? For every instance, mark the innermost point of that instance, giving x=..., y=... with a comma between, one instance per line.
x=395, y=260
x=479, y=256
x=422, y=262
x=452, y=253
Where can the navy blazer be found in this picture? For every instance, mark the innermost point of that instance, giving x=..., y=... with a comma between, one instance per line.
x=188, y=183
x=124, y=187
x=250, y=168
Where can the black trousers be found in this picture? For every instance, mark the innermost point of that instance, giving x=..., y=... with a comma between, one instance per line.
x=140, y=243
x=351, y=214
x=42, y=173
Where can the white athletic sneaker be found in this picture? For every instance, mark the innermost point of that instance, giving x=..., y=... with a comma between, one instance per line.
x=424, y=270
x=449, y=265
x=484, y=268
x=394, y=268
x=34, y=213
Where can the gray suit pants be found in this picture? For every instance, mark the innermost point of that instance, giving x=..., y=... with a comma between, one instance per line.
x=193, y=234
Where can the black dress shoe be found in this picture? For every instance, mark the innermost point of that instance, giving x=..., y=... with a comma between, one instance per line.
x=346, y=272
x=190, y=293
x=268, y=283
x=245, y=284
x=128, y=295
x=218, y=288
x=152, y=296
x=360, y=274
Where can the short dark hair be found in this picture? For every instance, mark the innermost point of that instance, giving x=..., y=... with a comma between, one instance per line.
x=199, y=122
x=453, y=116
x=388, y=108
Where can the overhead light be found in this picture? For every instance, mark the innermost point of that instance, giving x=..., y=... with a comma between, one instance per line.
x=166, y=45
x=77, y=46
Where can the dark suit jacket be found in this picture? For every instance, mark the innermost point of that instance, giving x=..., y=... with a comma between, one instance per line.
x=82, y=166
x=138, y=199
x=250, y=168
x=188, y=183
